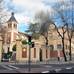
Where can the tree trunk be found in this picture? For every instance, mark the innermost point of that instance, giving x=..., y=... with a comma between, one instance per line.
x=46, y=46
x=70, y=54
x=63, y=50
x=46, y=41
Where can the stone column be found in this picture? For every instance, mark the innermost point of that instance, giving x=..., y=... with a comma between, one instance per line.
x=0, y=48
x=18, y=49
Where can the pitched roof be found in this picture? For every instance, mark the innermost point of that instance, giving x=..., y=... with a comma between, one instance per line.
x=12, y=18
x=23, y=34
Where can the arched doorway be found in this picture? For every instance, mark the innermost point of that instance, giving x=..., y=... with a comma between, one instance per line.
x=40, y=54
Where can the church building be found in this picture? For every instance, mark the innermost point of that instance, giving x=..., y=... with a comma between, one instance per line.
x=12, y=37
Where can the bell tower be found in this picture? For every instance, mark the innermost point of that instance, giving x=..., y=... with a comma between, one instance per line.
x=12, y=32
x=12, y=23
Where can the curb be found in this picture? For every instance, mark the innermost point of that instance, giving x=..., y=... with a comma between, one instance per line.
x=70, y=62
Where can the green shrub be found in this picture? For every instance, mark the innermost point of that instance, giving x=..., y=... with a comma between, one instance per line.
x=24, y=42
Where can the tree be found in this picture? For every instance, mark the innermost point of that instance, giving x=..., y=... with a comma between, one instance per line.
x=70, y=35
x=33, y=29
x=65, y=10
x=41, y=26
x=3, y=18
x=44, y=20
x=63, y=38
x=59, y=9
x=24, y=42
x=70, y=26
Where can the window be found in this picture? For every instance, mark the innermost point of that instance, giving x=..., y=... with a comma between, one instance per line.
x=8, y=38
x=51, y=47
x=24, y=53
x=9, y=25
x=59, y=46
x=15, y=26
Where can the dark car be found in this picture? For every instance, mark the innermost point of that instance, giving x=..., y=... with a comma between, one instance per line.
x=5, y=60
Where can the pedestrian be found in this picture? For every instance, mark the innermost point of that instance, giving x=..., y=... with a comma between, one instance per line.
x=58, y=59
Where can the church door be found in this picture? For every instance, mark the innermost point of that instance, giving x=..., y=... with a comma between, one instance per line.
x=40, y=55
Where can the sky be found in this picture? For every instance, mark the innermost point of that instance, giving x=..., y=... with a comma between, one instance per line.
x=25, y=10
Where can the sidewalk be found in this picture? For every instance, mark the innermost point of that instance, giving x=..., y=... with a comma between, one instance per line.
x=37, y=63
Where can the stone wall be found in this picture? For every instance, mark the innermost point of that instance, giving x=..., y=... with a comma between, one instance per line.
x=20, y=52
x=1, y=46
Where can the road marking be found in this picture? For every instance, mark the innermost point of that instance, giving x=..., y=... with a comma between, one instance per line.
x=45, y=66
x=7, y=67
x=57, y=70
x=13, y=67
x=48, y=66
x=45, y=72
x=69, y=68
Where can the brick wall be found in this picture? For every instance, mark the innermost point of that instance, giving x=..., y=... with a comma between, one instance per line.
x=54, y=54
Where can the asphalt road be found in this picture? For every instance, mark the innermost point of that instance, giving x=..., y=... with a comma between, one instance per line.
x=49, y=68
x=26, y=66
x=66, y=71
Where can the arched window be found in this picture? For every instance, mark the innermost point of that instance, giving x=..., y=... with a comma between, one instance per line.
x=9, y=25
x=52, y=47
x=59, y=46
x=24, y=53
x=8, y=37
x=15, y=26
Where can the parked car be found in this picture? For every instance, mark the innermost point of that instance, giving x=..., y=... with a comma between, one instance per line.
x=5, y=60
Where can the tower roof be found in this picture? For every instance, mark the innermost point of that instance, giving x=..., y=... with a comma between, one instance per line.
x=12, y=18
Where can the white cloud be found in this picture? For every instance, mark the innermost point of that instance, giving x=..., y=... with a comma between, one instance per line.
x=25, y=9
x=30, y=5
x=28, y=8
x=21, y=18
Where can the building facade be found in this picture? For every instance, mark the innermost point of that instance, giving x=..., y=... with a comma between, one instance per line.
x=39, y=52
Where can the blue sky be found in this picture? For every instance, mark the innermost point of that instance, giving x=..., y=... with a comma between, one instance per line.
x=25, y=10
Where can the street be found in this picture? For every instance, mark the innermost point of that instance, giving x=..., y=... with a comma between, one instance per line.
x=42, y=68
